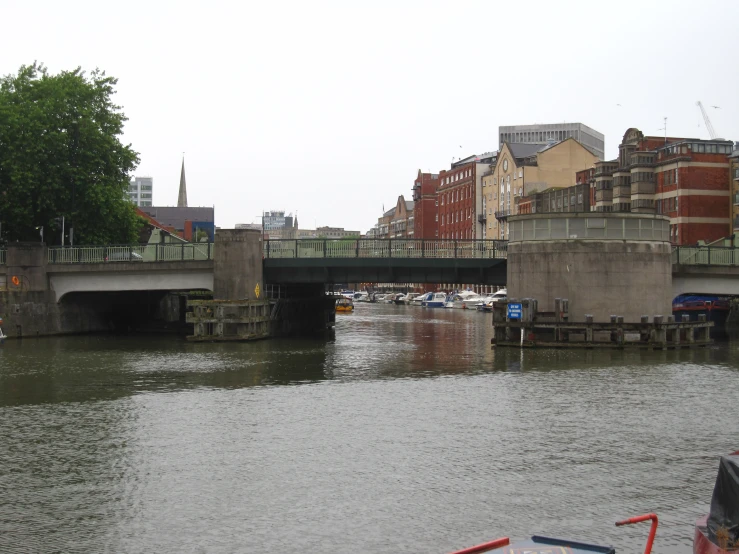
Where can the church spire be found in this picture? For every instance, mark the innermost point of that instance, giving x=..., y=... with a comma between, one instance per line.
x=182, y=198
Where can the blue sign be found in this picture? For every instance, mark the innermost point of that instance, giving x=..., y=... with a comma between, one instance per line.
x=514, y=311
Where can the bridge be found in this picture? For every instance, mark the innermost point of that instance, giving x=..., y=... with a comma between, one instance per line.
x=172, y=267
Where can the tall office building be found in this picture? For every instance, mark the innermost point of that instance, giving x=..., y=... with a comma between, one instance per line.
x=140, y=191
x=554, y=132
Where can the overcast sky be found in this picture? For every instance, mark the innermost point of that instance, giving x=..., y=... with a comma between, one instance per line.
x=329, y=109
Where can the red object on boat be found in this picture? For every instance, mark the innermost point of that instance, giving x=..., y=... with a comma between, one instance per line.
x=484, y=547
x=652, y=530
x=701, y=542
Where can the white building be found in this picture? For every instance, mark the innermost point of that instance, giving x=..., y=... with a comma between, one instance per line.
x=141, y=190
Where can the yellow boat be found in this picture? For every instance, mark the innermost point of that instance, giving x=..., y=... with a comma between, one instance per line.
x=344, y=305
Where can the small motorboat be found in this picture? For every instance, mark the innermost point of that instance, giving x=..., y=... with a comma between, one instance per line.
x=487, y=303
x=361, y=297
x=434, y=300
x=2, y=335
x=344, y=305
x=464, y=300
x=718, y=531
x=548, y=545
x=418, y=299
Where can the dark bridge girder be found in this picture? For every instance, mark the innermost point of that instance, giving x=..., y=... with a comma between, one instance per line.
x=481, y=271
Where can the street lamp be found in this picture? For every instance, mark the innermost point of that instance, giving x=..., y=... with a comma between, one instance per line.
x=41, y=232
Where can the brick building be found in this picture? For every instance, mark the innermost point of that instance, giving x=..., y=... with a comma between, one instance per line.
x=425, y=204
x=735, y=190
x=687, y=180
x=397, y=222
x=460, y=198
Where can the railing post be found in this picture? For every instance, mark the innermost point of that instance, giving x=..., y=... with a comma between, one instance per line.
x=423, y=248
x=455, y=249
x=389, y=248
x=324, y=248
x=356, y=248
x=709, y=254
x=268, y=248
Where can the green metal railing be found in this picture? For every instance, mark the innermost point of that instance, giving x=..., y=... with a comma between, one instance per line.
x=342, y=248
x=705, y=255
x=384, y=248
x=131, y=253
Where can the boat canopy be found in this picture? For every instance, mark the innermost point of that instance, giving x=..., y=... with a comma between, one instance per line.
x=723, y=520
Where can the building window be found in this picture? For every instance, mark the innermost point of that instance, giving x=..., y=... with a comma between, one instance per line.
x=520, y=173
x=437, y=217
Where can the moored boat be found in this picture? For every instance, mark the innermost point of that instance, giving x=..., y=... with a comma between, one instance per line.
x=464, y=300
x=716, y=309
x=487, y=303
x=434, y=300
x=718, y=531
x=344, y=305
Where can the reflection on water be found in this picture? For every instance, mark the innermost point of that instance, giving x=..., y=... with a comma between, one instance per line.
x=405, y=432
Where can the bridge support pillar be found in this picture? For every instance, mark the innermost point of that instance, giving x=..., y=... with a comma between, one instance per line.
x=237, y=265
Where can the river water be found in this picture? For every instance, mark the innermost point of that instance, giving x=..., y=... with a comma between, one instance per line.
x=405, y=432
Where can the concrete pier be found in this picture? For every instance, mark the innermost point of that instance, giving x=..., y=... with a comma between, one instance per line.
x=604, y=263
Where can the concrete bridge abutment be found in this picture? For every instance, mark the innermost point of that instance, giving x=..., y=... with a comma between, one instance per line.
x=603, y=263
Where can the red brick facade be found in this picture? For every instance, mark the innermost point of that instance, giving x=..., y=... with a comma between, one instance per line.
x=685, y=179
x=456, y=195
x=425, y=208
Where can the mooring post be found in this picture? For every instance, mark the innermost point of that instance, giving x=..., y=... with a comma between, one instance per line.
x=705, y=332
x=589, y=328
x=644, y=330
x=677, y=331
x=660, y=333
x=690, y=330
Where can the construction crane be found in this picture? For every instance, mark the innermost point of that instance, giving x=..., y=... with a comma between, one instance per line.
x=711, y=132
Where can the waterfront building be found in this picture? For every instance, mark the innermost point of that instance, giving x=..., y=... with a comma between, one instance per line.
x=548, y=133
x=734, y=172
x=686, y=179
x=397, y=222
x=141, y=191
x=555, y=200
x=523, y=170
x=402, y=221
x=425, y=205
x=460, y=197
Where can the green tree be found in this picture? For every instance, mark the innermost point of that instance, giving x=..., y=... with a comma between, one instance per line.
x=61, y=155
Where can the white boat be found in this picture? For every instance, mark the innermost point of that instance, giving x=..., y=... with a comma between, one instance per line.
x=408, y=298
x=464, y=300
x=487, y=304
x=434, y=300
x=361, y=297
x=418, y=300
